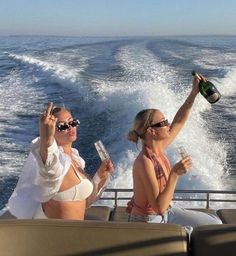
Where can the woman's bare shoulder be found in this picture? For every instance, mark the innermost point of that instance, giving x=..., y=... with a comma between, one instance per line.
x=142, y=162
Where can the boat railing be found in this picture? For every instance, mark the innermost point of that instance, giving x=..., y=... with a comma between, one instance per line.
x=206, y=196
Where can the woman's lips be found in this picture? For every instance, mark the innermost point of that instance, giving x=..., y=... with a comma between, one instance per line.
x=72, y=133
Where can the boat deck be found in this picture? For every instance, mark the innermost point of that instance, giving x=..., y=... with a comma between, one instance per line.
x=106, y=231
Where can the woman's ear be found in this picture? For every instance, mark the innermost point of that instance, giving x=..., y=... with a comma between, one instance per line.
x=150, y=131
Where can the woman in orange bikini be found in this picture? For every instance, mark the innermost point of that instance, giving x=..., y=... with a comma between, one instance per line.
x=53, y=183
x=154, y=180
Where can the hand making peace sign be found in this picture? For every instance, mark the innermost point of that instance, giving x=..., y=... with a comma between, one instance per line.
x=47, y=125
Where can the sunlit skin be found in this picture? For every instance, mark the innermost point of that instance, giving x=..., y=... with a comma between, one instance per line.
x=146, y=188
x=48, y=131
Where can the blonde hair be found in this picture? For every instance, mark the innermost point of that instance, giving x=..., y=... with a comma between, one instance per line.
x=141, y=123
x=56, y=110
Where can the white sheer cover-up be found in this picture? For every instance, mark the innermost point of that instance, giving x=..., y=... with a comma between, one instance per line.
x=39, y=182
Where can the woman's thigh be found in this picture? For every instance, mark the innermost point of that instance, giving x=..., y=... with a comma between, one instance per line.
x=191, y=218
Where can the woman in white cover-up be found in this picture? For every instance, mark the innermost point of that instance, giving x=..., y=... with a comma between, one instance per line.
x=53, y=183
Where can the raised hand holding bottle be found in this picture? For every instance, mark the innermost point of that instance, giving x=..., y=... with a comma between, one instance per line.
x=208, y=89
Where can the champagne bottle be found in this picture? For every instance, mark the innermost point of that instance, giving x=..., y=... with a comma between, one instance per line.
x=208, y=90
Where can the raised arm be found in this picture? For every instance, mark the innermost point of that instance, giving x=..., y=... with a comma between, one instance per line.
x=47, y=128
x=183, y=113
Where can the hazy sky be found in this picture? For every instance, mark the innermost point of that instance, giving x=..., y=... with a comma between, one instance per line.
x=118, y=17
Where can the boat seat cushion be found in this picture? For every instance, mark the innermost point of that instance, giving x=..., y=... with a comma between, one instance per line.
x=101, y=213
x=119, y=214
x=228, y=216
x=214, y=240
x=60, y=237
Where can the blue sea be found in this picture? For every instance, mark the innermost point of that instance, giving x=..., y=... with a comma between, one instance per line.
x=105, y=82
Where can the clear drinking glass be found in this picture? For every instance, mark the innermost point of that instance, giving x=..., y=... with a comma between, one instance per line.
x=182, y=151
x=102, y=152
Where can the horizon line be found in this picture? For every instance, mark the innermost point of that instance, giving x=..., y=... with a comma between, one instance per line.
x=53, y=35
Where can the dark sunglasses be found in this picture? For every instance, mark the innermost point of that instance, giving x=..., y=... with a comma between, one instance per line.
x=160, y=124
x=64, y=126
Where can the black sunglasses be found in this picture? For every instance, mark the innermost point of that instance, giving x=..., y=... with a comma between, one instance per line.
x=160, y=124
x=64, y=126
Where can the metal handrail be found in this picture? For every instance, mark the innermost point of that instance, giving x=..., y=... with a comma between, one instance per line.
x=206, y=195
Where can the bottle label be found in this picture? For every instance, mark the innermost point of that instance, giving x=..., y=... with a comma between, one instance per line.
x=207, y=89
x=213, y=98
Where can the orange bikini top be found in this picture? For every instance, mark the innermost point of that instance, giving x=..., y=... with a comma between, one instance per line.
x=162, y=176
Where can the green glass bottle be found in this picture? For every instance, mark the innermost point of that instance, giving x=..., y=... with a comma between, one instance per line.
x=208, y=90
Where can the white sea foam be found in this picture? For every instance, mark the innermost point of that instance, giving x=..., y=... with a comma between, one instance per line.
x=61, y=71
x=146, y=83
x=149, y=86
x=227, y=84
x=213, y=59
x=13, y=93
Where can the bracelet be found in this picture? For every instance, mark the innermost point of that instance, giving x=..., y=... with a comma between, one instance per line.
x=96, y=178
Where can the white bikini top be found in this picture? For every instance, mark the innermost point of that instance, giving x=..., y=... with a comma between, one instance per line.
x=78, y=192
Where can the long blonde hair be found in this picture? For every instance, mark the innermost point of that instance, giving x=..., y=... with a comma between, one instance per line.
x=142, y=121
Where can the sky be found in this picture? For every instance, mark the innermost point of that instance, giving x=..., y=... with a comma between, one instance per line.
x=117, y=17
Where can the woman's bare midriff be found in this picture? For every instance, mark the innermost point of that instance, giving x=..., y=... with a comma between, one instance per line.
x=74, y=210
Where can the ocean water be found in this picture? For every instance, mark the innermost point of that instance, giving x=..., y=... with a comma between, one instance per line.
x=106, y=81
